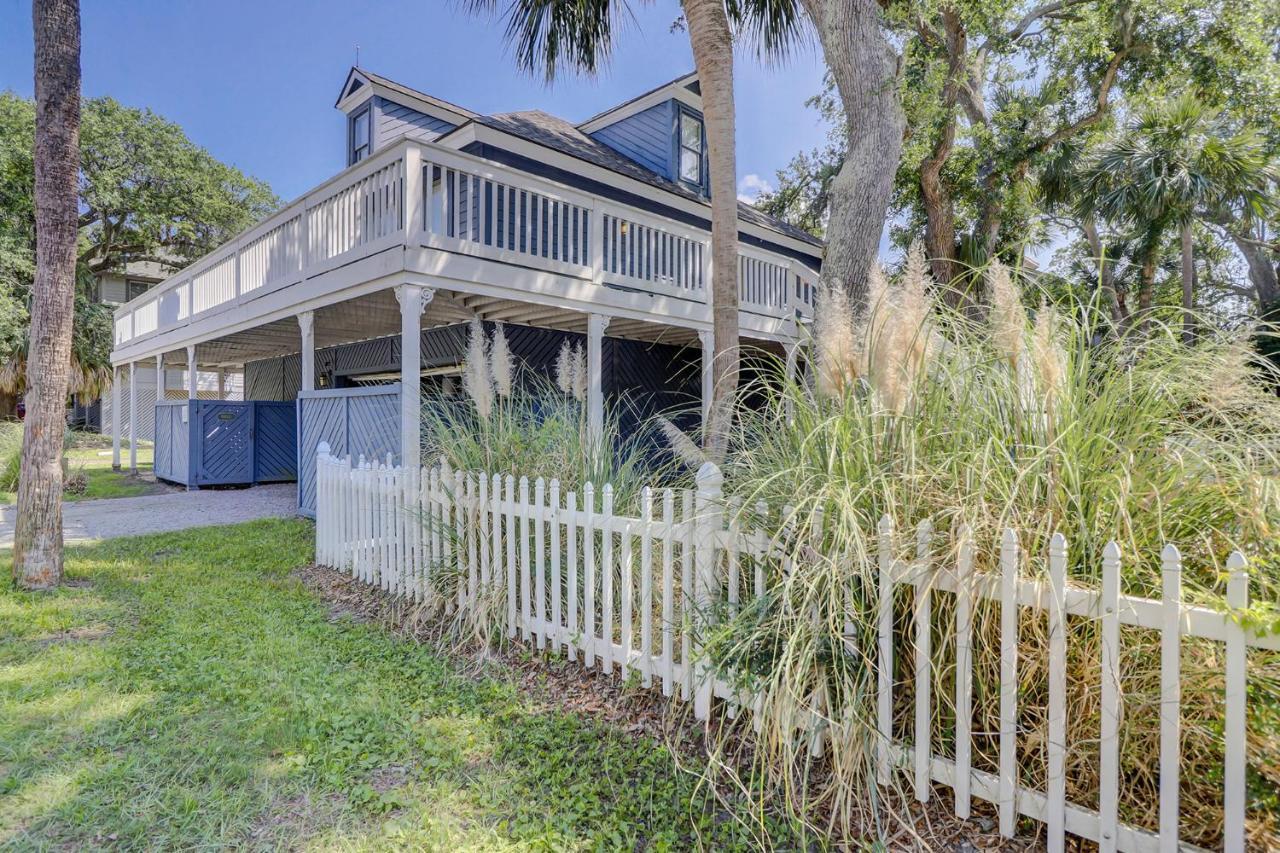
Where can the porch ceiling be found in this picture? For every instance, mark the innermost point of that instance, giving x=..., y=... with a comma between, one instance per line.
x=377, y=314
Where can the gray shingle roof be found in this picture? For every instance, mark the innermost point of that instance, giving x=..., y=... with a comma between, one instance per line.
x=558, y=134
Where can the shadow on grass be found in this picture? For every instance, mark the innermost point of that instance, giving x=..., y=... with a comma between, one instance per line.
x=222, y=707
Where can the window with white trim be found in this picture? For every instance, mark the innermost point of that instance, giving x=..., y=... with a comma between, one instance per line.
x=361, y=136
x=691, y=146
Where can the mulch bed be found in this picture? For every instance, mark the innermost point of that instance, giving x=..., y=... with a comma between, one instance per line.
x=555, y=683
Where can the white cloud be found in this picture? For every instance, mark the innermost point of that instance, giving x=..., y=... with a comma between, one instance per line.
x=751, y=187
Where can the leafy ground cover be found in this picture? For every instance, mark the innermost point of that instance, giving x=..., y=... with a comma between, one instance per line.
x=187, y=691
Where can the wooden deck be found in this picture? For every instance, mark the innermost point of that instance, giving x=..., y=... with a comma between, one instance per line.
x=481, y=234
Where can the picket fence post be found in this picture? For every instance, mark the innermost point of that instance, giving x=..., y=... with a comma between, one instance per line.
x=708, y=522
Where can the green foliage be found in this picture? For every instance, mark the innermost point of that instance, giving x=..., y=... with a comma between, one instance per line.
x=10, y=455
x=147, y=193
x=1016, y=423
x=187, y=692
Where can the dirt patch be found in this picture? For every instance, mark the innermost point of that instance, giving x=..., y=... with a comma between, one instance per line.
x=289, y=822
x=81, y=633
x=554, y=683
x=388, y=778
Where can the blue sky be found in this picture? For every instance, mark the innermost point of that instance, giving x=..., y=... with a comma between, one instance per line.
x=255, y=82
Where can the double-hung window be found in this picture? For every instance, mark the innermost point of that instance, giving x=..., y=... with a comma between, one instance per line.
x=134, y=289
x=691, y=147
x=361, y=136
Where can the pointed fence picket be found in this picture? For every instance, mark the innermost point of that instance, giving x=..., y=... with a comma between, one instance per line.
x=638, y=593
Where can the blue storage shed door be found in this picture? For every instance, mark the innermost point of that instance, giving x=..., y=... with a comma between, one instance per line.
x=224, y=432
x=275, y=442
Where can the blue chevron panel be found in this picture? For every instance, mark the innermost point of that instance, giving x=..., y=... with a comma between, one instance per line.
x=275, y=442
x=355, y=422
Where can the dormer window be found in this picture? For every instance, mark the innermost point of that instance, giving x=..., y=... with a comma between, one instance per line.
x=691, y=147
x=361, y=136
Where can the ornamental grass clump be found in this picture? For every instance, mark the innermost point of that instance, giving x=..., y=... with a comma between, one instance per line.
x=1001, y=418
x=512, y=420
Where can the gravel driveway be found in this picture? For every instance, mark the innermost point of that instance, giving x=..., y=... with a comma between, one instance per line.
x=89, y=521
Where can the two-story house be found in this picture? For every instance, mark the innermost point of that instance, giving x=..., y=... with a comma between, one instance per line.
x=597, y=231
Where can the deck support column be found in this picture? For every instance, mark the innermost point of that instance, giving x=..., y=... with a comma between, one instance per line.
x=793, y=357
x=596, y=325
x=133, y=417
x=708, y=378
x=413, y=299
x=307, y=323
x=222, y=383
x=115, y=418
x=159, y=378
x=193, y=389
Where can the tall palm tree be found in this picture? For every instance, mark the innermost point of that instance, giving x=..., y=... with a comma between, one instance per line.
x=1173, y=162
x=37, y=542
x=578, y=34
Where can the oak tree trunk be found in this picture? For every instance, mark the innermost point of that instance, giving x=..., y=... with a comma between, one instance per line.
x=865, y=67
x=37, y=545
x=712, y=43
x=1113, y=297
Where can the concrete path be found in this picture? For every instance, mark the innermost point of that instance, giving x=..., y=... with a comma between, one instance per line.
x=90, y=521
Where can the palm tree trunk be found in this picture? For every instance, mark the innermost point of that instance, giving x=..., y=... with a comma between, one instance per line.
x=37, y=547
x=712, y=43
x=1188, y=286
x=864, y=65
x=1146, y=288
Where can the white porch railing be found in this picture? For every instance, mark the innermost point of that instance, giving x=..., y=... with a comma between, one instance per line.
x=629, y=592
x=423, y=194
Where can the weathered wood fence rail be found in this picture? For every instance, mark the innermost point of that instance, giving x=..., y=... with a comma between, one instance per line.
x=635, y=593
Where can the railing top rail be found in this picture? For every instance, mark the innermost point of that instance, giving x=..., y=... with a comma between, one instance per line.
x=350, y=174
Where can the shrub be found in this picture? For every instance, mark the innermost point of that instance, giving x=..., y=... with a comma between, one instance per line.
x=919, y=412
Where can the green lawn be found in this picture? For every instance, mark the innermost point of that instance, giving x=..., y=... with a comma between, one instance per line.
x=100, y=480
x=185, y=691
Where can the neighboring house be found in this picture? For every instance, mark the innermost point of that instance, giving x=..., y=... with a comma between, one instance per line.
x=596, y=232
x=115, y=289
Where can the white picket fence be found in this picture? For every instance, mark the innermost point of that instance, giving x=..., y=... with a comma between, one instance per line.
x=581, y=579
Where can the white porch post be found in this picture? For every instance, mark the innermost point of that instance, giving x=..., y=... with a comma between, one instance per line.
x=793, y=356
x=708, y=387
x=159, y=378
x=133, y=417
x=413, y=299
x=193, y=389
x=307, y=323
x=222, y=383
x=115, y=418
x=596, y=325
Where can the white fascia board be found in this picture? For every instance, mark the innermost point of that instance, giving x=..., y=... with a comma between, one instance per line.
x=534, y=151
x=371, y=88
x=674, y=90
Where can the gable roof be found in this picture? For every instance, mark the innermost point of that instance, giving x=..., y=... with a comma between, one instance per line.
x=552, y=132
x=684, y=88
x=402, y=93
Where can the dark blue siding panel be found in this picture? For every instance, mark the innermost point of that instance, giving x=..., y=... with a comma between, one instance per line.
x=223, y=442
x=275, y=442
x=355, y=422
x=645, y=137
x=223, y=449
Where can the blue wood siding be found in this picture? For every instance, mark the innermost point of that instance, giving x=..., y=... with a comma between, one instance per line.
x=224, y=442
x=392, y=120
x=275, y=442
x=355, y=422
x=646, y=137
x=173, y=442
